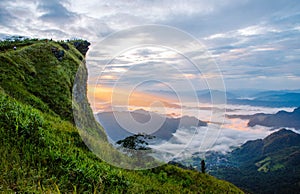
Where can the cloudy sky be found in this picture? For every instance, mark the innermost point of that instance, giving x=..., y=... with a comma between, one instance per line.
x=256, y=43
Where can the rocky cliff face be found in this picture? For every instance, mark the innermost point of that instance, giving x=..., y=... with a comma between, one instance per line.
x=83, y=115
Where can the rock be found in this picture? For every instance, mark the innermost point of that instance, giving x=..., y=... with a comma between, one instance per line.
x=82, y=46
x=59, y=54
x=65, y=46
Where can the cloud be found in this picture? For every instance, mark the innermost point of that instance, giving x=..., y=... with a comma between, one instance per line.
x=261, y=50
x=55, y=12
x=5, y=16
x=118, y=97
x=246, y=38
x=48, y=19
x=233, y=133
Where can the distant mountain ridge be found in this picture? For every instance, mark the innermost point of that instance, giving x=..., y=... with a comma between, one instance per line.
x=109, y=120
x=273, y=93
x=278, y=120
x=273, y=100
x=280, y=98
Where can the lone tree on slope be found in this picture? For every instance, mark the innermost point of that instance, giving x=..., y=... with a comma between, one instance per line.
x=203, y=166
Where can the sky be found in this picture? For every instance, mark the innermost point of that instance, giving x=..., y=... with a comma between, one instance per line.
x=256, y=44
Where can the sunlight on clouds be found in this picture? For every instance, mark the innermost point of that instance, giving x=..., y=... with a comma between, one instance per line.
x=256, y=30
x=268, y=38
x=244, y=32
x=150, y=65
x=262, y=49
x=216, y=36
x=238, y=50
x=113, y=97
x=236, y=124
x=108, y=77
x=189, y=76
x=251, y=30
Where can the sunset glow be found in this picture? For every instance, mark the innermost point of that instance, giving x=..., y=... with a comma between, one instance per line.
x=104, y=97
x=237, y=124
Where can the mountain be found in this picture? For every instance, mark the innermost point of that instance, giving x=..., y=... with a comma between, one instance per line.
x=109, y=120
x=269, y=165
x=41, y=149
x=283, y=98
x=280, y=119
x=202, y=95
x=206, y=95
x=280, y=98
x=270, y=99
x=270, y=93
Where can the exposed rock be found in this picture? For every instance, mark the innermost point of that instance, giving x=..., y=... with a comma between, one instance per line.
x=82, y=46
x=65, y=46
x=59, y=54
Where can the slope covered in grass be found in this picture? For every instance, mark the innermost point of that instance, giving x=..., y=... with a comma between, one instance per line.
x=40, y=148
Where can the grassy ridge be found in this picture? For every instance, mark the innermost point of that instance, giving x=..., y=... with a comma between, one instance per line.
x=40, y=148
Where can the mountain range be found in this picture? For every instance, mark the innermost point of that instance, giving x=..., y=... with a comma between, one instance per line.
x=280, y=98
x=274, y=99
x=109, y=120
x=278, y=120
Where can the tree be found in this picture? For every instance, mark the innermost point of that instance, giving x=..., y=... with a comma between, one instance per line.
x=136, y=146
x=203, y=166
x=136, y=142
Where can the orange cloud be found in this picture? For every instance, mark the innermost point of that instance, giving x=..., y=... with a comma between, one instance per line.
x=104, y=97
x=237, y=124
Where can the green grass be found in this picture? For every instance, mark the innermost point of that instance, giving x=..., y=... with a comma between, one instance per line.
x=41, y=150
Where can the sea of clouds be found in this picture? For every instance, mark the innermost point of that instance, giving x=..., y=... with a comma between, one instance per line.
x=220, y=136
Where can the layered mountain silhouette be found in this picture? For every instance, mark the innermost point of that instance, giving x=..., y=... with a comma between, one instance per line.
x=278, y=120
x=280, y=98
x=270, y=99
x=111, y=121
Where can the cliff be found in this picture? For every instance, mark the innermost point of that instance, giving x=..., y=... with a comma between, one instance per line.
x=41, y=149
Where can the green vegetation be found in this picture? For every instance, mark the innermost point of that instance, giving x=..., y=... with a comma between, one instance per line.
x=269, y=165
x=263, y=164
x=136, y=142
x=41, y=150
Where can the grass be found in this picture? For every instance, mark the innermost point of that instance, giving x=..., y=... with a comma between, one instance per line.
x=41, y=149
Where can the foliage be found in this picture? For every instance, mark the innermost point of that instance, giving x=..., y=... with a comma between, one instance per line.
x=136, y=142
